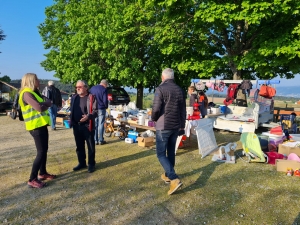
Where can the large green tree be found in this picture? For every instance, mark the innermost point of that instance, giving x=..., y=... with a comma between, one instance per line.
x=95, y=39
x=238, y=39
x=130, y=42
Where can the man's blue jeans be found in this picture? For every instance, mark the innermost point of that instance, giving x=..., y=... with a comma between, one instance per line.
x=53, y=113
x=165, y=151
x=100, y=125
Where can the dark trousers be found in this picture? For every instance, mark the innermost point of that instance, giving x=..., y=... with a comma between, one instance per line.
x=82, y=135
x=41, y=139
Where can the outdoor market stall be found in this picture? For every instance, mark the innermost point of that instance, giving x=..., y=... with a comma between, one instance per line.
x=258, y=112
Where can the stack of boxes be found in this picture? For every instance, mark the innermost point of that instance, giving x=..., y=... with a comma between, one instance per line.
x=133, y=137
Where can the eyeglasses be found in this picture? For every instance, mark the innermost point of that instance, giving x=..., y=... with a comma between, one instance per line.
x=79, y=86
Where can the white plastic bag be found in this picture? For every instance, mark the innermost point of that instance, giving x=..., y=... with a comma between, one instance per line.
x=132, y=105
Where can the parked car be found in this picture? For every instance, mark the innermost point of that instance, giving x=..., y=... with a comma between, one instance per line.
x=117, y=96
x=5, y=106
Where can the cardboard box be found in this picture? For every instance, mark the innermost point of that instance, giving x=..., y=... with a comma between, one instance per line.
x=145, y=141
x=286, y=150
x=60, y=120
x=132, y=121
x=282, y=165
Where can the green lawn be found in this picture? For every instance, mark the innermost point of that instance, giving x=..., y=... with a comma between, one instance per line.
x=126, y=187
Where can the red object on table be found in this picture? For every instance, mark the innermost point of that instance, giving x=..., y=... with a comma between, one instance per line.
x=194, y=117
x=276, y=130
x=196, y=106
x=196, y=110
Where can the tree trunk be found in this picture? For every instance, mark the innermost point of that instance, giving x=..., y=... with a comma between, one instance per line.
x=237, y=74
x=139, y=96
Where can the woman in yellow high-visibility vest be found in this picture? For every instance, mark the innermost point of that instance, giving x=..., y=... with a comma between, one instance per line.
x=36, y=118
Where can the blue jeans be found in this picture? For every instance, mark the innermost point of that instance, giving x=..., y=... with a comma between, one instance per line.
x=100, y=125
x=53, y=113
x=165, y=151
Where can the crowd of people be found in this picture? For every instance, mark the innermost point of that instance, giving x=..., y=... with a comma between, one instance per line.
x=87, y=116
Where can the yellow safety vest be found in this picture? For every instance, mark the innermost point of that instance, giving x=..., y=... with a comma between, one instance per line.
x=32, y=118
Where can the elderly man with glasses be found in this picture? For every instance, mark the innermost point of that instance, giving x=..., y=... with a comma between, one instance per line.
x=83, y=113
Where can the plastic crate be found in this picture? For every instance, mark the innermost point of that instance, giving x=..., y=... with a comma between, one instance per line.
x=133, y=135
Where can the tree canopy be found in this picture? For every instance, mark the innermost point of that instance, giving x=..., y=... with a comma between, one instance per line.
x=130, y=42
x=5, y=78
x=237, y=39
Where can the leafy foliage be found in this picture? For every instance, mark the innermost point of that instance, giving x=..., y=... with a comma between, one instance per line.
x=5, y=79
x=237, y=39
x=130, y=42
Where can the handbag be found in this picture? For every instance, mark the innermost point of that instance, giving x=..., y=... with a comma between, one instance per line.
x=267, y=91
x=263, y=91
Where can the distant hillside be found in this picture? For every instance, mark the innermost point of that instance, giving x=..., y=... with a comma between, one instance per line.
x=288, y=91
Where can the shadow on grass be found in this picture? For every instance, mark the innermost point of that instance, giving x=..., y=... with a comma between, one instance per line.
x=297, y=220
x=201, y=181
x=123, y=159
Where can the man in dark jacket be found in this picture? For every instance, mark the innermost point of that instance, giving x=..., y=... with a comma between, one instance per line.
x=83, y=114
x=169, y=113
x=53, y=93
x=100, y=92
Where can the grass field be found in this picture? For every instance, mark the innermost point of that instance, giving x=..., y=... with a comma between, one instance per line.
x=126, y=187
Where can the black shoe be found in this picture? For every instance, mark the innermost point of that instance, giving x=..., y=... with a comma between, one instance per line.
x=97, y=143
x=79, y=167
x=91, y=168
x=102, y=142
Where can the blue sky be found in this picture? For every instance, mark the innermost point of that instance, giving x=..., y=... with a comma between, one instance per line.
x=22, y=50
